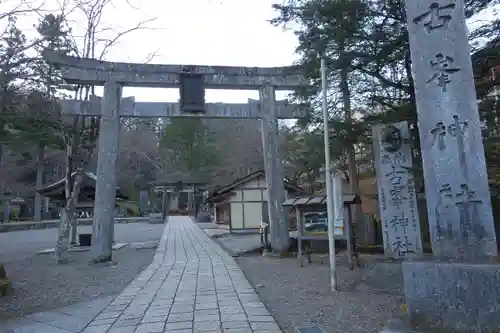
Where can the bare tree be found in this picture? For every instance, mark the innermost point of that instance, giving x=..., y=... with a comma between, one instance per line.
x=139, y=159
x=15, y=8
x=80, y=133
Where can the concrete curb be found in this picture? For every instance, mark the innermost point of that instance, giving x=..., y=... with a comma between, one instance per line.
x=224, y=247
x=217, y=240
x=51, y=224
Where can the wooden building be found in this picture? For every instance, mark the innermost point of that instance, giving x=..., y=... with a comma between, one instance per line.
x=56, y=192
x=242, y=204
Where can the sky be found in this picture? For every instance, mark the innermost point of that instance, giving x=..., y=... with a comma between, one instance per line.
x=189, y=32
x=198, y=32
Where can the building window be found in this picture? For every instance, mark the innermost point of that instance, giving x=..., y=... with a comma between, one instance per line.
x=57, y=170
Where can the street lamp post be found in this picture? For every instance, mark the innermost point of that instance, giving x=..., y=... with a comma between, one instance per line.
x=328, y=178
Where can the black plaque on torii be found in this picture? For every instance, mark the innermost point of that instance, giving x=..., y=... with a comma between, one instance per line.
x=192, y=92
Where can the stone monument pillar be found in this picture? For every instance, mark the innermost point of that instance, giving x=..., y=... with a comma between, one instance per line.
x=46, y=205
x=6, y=209
x=105, y=192
x=274, y=170
x=459, y=292
x=457, y=192
x=143, y=201
x=396, y=191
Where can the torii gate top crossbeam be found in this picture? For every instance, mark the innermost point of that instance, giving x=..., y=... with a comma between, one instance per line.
x=95, y=72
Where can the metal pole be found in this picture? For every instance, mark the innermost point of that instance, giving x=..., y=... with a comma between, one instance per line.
x=328, y=179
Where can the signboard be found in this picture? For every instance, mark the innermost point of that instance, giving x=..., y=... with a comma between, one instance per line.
x=316, y=223
x=192, y=92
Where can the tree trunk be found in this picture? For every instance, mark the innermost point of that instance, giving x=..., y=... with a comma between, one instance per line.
x=68, y=219
x=74, y=200
x=62, y=237
x=39, y=183
x=68, y=216
x=351, y=153
x=6, y=200
x=351, y=159
x=73, y=225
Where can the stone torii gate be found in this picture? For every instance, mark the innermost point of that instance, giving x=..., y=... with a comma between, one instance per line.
x=192, y=80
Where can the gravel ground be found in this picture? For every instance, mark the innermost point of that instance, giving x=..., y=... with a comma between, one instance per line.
x=302, y=297
x=39, y=284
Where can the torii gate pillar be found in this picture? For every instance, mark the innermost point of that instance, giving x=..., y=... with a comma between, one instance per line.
x=107, y=167
x=274, y=170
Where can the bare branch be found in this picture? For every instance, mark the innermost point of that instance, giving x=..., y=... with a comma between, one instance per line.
x=139, y=26
x=19, y=9
x=150, y=57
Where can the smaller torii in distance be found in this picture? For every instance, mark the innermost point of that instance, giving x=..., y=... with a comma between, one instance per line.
x=192, y=81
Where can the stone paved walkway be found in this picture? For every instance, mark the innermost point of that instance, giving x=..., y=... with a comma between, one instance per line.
x=192, y=285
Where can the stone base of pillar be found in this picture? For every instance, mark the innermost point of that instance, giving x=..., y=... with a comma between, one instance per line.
x=270, y=253
x=453, y=297
x=102, y=259
x=156, y=218
x=397, y=326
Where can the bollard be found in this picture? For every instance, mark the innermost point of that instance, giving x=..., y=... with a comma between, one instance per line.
x=264, y=235
x=266, y=238
x=261, y=232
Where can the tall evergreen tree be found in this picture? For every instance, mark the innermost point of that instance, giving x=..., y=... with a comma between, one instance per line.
x=13, y=73
x=189, y=146
x=40, y=121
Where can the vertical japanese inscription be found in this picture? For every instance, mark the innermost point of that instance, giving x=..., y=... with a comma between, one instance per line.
x=459, y=227
x=396, y=190
x=457, y=130
x=457, y=192
x=443, y=68
x=438, y=16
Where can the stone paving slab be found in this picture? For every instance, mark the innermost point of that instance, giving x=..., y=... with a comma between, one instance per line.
x=192, y=285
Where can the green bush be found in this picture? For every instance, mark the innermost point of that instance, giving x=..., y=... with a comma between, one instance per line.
x=130, y=208
x=3, y=274
x=5, y=284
